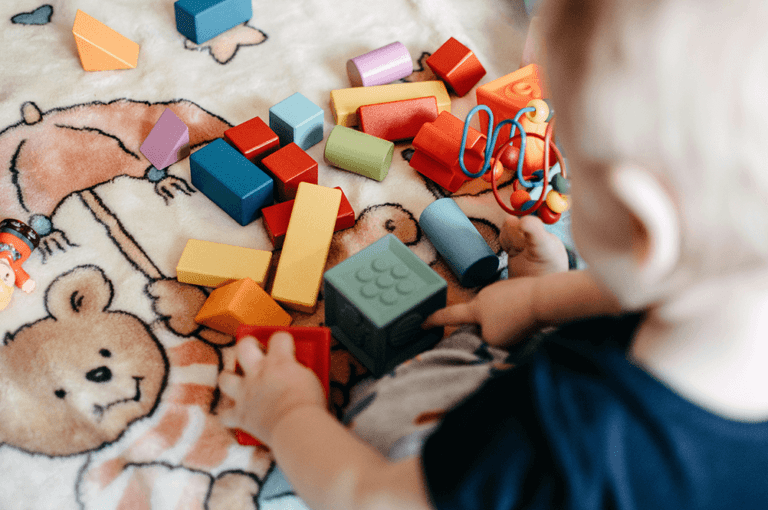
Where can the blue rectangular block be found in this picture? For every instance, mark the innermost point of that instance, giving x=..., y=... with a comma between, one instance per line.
x=376, y=300
x=297, y=119
x=232, y=182
x=200, y=20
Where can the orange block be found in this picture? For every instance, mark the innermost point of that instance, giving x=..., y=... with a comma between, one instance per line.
x=100, y=47
x=305, y=249
x=241, y=302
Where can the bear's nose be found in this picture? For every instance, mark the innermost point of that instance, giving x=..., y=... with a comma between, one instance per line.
x=99, y=375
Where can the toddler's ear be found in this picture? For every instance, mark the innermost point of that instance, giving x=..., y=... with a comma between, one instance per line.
x=656, y=224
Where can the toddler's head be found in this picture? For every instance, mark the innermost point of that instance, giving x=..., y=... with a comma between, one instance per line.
x=662, y=108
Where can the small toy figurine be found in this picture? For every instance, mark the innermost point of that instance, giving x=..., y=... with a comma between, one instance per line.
x=17, y=242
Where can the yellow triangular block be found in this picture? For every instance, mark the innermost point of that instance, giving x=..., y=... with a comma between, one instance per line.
x=100, y=47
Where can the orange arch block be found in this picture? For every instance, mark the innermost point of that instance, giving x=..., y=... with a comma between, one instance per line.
x=100, y=47
x=241, y=302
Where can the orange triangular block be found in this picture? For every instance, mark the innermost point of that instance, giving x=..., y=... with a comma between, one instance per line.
x=241, y=302
x=100, y=47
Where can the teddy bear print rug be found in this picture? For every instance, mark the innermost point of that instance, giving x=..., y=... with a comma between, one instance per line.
x=108, y=388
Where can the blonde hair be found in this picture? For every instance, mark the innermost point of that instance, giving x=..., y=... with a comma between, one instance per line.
x=681, y=88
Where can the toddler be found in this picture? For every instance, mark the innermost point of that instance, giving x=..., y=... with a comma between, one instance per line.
x=662, y=112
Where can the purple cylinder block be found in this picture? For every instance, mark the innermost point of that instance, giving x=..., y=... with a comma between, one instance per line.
x=378, y=67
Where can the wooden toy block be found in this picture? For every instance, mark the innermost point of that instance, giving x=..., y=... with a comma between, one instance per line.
x=359, y=152
x=253, y=139
x=101, y=48
x=277, y=217
x=380, y=66
x=376, y=300
x=397, y=120
x=232, y=182
x=506, y=96
x=211, y=264
x=168, y=142
x=297, y=119
x=457, y=65
x=240, y=302
x=201, y=20
x=471, y=260
x=305, y=249
x=345, y=102
x=436, y=151
x=313, y=350
x=288, y=167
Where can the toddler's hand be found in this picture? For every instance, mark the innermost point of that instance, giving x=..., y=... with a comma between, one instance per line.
x=504, y=311
x=273, y=385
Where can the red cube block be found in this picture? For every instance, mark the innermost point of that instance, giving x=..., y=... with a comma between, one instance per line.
x=276, y=218
x=313, y=350
x=456, y=65
x=289, y=166
x=253, y=138
x=436, y=151
x=397, y=120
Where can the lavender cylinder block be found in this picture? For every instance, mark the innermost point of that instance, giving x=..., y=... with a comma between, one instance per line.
x=458, y=241
x=379, y=67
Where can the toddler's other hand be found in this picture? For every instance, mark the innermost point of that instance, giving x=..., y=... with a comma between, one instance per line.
x=504, y=311
x=273, y=385
x=532, y=250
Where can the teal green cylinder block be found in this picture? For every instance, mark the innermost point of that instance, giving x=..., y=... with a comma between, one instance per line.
x=359, y=152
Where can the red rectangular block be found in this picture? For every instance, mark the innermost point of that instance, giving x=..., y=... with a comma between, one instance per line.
x=276, y=218
x=313, y=350
x=253, y=138
x=289, y=166
x=456, y=65
x=397, y=120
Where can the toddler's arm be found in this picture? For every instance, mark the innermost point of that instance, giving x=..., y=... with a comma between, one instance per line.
x=281, y=403
x=510, y=310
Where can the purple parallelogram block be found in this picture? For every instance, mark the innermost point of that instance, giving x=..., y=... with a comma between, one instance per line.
x=168, y=142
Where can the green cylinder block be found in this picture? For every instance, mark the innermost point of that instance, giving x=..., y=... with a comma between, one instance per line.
x=359, y=152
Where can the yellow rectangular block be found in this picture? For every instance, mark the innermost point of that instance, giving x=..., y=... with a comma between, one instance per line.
x=345, y=102
x=212, y=264
x=100, y=47
x=305, y=249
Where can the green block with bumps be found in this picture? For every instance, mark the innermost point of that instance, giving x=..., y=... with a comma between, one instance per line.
x=359, y=152
x=376, y=300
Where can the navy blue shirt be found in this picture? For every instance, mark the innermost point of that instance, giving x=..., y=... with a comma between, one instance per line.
x=578, y=426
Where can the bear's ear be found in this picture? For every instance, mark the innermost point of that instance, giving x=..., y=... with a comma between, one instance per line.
x=83, y=290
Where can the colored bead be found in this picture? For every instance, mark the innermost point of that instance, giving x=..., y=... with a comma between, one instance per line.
x=459, y=242
x=561, y=184
x=397, y=120
x=378, y=67
x=547, y=215
x=457, y=65
x=201, y=20
x=253, y=139
x=518, y=198
x=358, y=152
x=168, y=142
x=557, y=202
x=297, y=119
x=541, y=114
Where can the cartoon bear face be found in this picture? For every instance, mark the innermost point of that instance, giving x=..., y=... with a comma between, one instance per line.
x=76, y=379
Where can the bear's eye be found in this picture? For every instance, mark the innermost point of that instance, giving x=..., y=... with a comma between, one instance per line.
x=60, y=393
x=105, y=353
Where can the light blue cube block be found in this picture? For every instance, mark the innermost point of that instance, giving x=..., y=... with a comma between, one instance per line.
x=232, y=182
x=297, y=119
x=200, y=20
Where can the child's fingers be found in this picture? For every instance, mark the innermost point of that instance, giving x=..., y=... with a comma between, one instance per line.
x=229, y=384
x=281, y=345
x=249, y=354
x=454, y=315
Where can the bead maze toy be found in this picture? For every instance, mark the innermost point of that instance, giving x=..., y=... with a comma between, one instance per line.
x=376, y=300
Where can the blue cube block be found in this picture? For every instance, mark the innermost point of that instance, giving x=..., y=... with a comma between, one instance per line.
x=297, y=119
x=232, y=182
x=376, y=300
x=200, y=20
